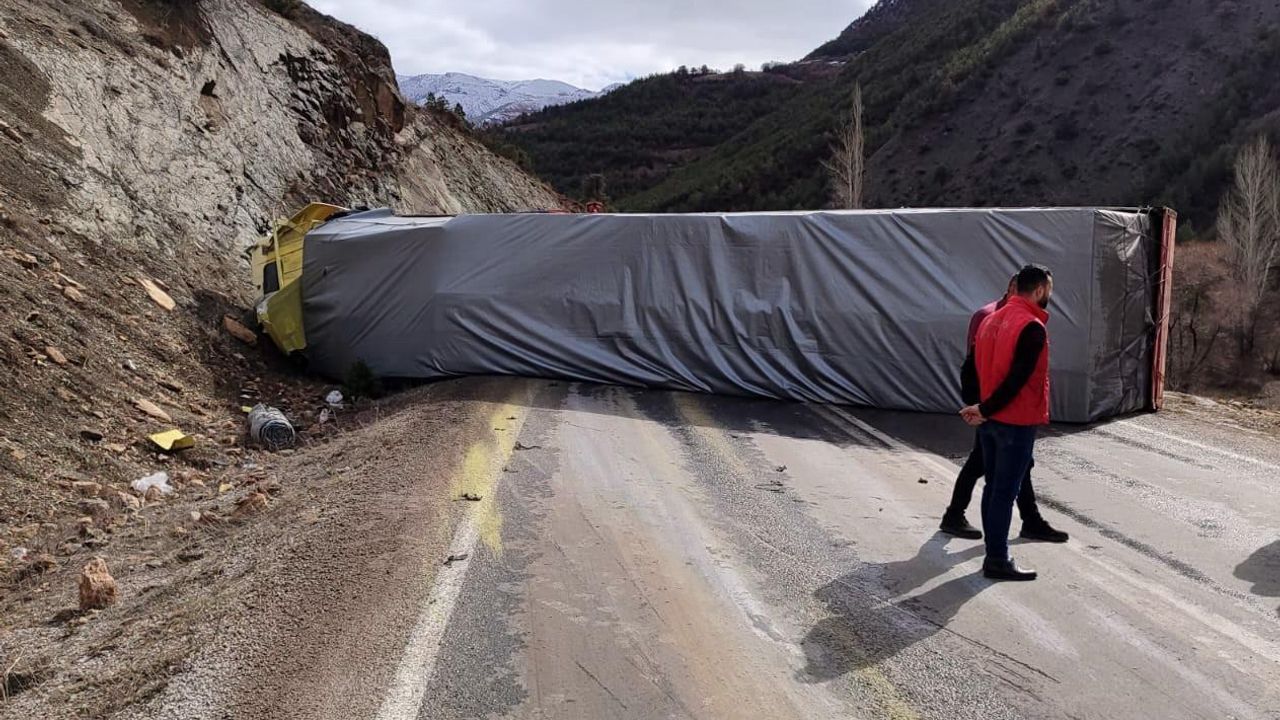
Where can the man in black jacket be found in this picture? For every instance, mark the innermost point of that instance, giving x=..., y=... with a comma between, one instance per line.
x=1034, y=526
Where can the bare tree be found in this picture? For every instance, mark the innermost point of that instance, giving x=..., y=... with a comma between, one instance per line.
x=1249, y=226
x=845, y=169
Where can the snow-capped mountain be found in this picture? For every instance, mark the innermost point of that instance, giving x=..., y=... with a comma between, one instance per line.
x=493, y=101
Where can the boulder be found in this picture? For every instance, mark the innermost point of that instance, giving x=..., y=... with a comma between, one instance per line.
x=97, y=588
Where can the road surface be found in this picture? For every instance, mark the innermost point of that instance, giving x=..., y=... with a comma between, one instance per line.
x=642, y=554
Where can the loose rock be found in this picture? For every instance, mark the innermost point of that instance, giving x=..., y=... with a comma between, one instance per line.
x=55, y=355
x=239, y=331
x=152, y=409
x=160, y=297
x=97, y=588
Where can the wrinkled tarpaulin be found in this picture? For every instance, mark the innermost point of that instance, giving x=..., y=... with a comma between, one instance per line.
x=859, y=307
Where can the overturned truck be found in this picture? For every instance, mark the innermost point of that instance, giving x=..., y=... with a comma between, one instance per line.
x=855, y=307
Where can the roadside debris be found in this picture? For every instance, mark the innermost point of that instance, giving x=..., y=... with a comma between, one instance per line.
x=334, y=399
x=780, y=468
x=772, y=486
x=160, y=297
x=455, y=558
x=239, y=331
x=522, y=446
x=470, y=497
x=97, y=588
x=270, y=428
x=159, y=480
x=923, y=481
x=171, y=440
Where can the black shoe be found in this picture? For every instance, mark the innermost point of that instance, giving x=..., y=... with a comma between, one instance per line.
x=1006, y=570
x=956, y=525
x=1042, y=531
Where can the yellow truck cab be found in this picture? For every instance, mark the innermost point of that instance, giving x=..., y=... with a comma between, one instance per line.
x=276, y=261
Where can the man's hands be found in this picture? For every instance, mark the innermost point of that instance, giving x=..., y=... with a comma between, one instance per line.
x=972, y=415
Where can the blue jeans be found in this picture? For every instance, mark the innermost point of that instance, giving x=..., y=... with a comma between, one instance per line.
x=1006, y=453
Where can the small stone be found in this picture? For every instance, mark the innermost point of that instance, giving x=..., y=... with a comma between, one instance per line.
x=126, y=501
x=34, y=565
x=87, y=488
x=17, y=454
x=158, y=296
x=251, y=504
x=154, y=494
x=55, y=355
x=116, y=448
x=195, y=516
x=97, y=588
x=130, y=365
x=73, y=294
x=239, y=331
x=152, y=409
x=26, y=260
x=94, y=506
x=169, y=384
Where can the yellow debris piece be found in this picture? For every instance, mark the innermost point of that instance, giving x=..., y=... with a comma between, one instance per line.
x=173, y=440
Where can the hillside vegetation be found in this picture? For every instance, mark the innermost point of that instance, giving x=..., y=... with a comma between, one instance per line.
x=968, y=102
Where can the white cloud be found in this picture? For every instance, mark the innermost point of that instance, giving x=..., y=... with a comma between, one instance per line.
x=592, y=43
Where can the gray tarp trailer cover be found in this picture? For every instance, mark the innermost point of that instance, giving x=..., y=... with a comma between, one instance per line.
x=859, y=307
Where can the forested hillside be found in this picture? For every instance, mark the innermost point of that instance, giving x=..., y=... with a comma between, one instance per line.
x=968, y=102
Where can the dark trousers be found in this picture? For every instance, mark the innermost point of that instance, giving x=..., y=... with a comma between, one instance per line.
x=973, y=470
x=1007, y=452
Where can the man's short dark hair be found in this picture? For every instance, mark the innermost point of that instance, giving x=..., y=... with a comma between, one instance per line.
x=1031, y=277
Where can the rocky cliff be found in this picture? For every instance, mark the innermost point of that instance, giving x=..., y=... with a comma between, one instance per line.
x=157, y=123
x=143, y=145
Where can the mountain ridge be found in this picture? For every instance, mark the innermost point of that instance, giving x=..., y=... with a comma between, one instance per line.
x=486, y=101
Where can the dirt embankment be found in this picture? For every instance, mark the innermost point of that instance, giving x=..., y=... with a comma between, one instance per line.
x=143, y=145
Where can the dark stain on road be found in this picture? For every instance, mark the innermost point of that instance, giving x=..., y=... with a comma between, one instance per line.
x=1262, y=568
x=864, y=630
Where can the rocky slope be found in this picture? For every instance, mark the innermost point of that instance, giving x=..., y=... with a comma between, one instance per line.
x=143, y=145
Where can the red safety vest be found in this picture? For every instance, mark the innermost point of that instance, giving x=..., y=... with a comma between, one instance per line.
x=993, y=354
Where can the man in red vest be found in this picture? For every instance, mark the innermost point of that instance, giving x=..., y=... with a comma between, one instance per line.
x=1034, y=526
x=1011, y=353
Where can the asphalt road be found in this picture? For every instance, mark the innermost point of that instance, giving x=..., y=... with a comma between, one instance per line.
x=635, y=554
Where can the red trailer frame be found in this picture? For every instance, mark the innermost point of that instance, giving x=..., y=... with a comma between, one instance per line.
x=1164, y=300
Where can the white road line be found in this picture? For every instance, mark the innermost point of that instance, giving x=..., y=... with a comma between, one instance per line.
x=403, y=700
x=481, y=471
x=1193, y=443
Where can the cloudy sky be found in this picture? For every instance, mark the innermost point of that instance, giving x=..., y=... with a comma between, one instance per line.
x=592, y=43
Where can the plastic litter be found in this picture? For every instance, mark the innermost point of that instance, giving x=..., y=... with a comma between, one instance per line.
x=159, y=481
x=173, y=440
x=270, y=428
x=334, y=398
